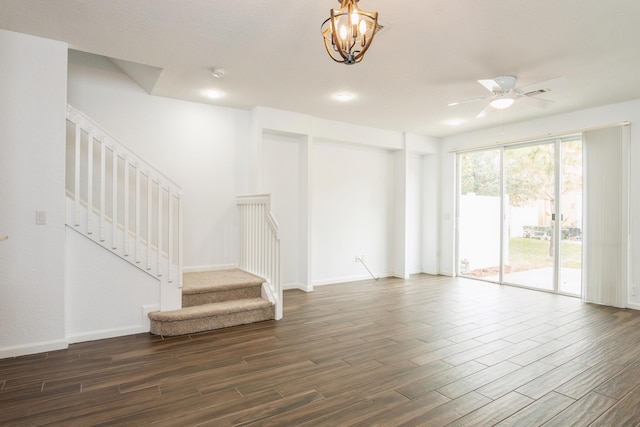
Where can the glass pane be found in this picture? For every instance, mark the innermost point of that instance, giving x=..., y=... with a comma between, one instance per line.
x=529, y=178
x=479, y=215
x=571, y=207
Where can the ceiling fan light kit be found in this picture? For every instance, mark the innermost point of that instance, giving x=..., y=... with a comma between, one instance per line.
x=349, y=31
x=503, y=101
x=505, y=93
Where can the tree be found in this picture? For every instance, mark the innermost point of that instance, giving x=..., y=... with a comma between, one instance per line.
x=529, y=173
x=480, y=173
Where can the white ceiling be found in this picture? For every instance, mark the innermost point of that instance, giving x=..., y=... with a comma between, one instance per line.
x=430, y=53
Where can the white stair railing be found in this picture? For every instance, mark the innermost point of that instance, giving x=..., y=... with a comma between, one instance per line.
x=124, y=204
x=260, y=245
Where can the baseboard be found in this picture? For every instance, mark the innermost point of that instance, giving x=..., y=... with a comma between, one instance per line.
x=34, y=348
x=300, y=286
x=633, y=306
x=107, y=333
x=347, y=279
x=216, y=267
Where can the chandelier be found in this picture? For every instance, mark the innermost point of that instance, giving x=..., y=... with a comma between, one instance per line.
x=349, y=31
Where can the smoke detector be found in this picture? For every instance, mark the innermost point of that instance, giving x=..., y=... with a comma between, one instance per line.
x=217, y=72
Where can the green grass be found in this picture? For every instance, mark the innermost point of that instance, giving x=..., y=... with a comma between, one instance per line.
x=534, y=253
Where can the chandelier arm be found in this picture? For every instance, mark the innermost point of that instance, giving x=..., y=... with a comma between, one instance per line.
x=336, y=35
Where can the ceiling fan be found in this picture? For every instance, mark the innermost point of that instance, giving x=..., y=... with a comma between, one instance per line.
x=505, y=93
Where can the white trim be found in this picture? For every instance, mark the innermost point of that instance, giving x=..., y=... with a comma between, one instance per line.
x=33, y=348
x=107, y=333
x=347, y=279
x=213, y=267
x=536, y=139
x=633, y=306
x=300, y=286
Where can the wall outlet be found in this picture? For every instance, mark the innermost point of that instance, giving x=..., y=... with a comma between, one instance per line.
x=360, y=258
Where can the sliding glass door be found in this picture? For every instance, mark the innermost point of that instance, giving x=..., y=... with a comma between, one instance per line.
x=570, y=249
x=508, y=227
x=530, y=200
x=479, y=212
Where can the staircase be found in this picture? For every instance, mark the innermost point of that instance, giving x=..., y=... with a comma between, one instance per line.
x=213, y=300
x=133, y=211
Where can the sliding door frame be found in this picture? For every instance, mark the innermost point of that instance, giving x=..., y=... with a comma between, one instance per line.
x=557, y=142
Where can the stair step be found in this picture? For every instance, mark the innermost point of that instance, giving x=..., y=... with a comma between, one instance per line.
x=206, y=281
x=211, y=316
x=217, y=286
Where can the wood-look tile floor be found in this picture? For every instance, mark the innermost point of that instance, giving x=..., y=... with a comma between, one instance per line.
x=428, y=351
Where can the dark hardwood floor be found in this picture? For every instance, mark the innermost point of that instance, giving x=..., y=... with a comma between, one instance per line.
x=428, y=351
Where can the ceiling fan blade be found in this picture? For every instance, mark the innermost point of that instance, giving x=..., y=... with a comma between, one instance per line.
x=536, y=102
x=485, y=112
x=543, y=86
x=467, y=101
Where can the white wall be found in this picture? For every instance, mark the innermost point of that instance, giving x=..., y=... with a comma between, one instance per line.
x=200, y=147
x=32, y=140
x=564, y=123
x=415, y=214
x=352, y=204
x=106, y=297
x=281, y=177
x=430, y=214
x=343, y=152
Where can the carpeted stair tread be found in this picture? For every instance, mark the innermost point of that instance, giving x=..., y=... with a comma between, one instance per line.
x=207, y=310
x=213, y=300
x=216, y=281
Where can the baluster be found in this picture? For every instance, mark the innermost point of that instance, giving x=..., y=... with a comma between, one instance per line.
x=243, y=236
x=268, y=256
x=90, y=182
x=254, y=241
x=256, y=238
x=137, y=249
x=114, y=198
x=247, y=238
x=170, y=234
x=261, y=242
x=76, y=187
x=149, y=219
x=159, y=230
x=103, y=179
x=180, y=218
x=126, y=204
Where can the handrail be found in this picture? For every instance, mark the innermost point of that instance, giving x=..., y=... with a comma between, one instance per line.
x=137, y=211
x=260, y=244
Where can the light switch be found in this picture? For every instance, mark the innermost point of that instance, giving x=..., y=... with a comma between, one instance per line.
x=41, y=217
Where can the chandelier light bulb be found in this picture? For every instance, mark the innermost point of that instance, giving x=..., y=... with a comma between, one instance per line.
x=343, y=32
x=354, y=18
x=363, y=27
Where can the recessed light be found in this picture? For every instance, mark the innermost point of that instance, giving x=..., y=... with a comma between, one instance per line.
x=344, y=96
x=213, y=93
x=454, y=122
